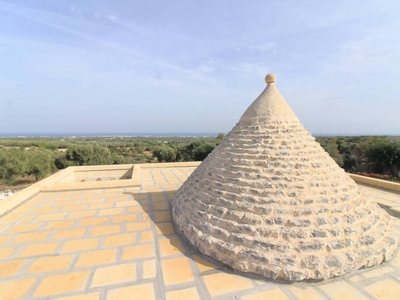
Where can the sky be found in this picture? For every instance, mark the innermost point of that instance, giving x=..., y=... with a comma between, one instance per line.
x=194, y=66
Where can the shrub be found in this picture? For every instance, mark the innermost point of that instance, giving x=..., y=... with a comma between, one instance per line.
x=165, y=154
x=384, y=156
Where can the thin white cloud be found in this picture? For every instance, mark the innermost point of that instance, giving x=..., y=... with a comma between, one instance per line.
x=67, y=25
x=262, y=47
x=151, y=32
x=63, y=23
x=375, y=50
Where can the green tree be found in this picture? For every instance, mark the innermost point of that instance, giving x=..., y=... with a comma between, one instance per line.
x=220, y=136
x=91, y=154
x=384, y=156
x=40, y=162
x=330, y=146
x=201, y=149
x=164, y=154
x=350, y=162
x=184, y=152
x=13, y=163
x=337, y=157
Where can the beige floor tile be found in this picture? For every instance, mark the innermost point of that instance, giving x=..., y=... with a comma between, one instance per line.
x=377, y=271
x=93, y=221
x=38, y=249
x=136, y=226
x=92, y=201
x=69, y=208
x=392, y=197
x=386, y=289
x=26, y=219
x=96, y=258
x=146, y=236
x=139, y=251
x=118, y=198
x=202, y=264
x=161, y=206
x=64, y=202
x=11, y=268
x=355, y=279
x=24, y=238
x=44, y=210
x=170, y=246
x=82, y=214
x=275, y=294
x=341, y=290
x=3, y=239
x=120, y=240
x=50, y=264
x=16, y=289
x=51, y=217
x=6, y=252
x=306, y=293
x=162, y=216
x=60, y=224
x=223, y=283
x=138, y=209
x=176, y=271
x=184, y=294
x=101, y=205
x=106, y=230
x=80, y=245
x=90, y=296
x=111, y=211
x=158, y=197
x=18, y=228
x=125, y=218
x=107, y=193
x=140, y=291
x=114, y=275
x=149, y=269
x=130, y=203
x=165, y=229
x=145, y=216
x=62, y=283
x=69, y=234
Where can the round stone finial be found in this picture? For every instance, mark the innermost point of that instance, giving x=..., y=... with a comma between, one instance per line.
x=270, y=78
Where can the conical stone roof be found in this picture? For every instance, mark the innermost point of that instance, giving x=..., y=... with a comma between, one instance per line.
x=269, y=200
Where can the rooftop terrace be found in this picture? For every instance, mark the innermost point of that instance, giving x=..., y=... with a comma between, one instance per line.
x=105, y=232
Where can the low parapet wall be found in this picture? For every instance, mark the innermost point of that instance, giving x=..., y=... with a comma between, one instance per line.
x=391, y=206
x=64, y=180
x=376, y=182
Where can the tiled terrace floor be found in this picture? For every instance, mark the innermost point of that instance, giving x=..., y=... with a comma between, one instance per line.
x=121, y=244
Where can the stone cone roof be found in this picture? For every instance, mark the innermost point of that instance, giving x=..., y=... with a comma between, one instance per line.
x=269, y=200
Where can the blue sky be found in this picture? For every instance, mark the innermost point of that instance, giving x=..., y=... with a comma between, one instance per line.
x=103, y=66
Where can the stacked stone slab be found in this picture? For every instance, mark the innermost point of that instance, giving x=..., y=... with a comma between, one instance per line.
x=269, y=200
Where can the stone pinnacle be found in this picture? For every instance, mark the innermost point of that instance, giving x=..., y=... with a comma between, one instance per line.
x=270, y=78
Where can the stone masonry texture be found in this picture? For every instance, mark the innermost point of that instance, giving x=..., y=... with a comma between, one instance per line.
x=269, y=200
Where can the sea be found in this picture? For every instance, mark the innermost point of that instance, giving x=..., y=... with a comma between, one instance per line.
x=108, y=134
x=139, y=134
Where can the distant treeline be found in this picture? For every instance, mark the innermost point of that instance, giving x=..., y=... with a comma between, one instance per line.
x=370, y=154
x=41, y=157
